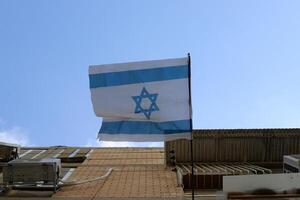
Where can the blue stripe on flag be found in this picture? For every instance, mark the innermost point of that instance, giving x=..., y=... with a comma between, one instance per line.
x=145, y=127
x=138, y=76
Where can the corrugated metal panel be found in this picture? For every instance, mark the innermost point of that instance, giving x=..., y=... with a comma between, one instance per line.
x=67, y=152
x=83, y=152
x=210, y=175
x=38, y=155
x=237, y=145
x=53, y=152
x=30, y=153
x=74, y=153
x=58, y=154
x=24, y=153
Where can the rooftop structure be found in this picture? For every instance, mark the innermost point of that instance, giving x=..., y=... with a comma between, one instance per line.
x=136, y=173
x=163, y=173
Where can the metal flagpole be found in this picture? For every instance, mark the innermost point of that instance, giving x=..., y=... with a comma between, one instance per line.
x=191, y=127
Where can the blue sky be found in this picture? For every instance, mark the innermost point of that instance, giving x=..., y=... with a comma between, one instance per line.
x=245, y=61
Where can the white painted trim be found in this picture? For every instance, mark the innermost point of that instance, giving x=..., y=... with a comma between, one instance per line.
x=74, y=153
x=38, y=154
x=89, y=153
x=25, y=153
x=56, y=155
x=68, y=174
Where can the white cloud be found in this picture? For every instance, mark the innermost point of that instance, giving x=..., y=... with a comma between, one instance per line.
x=14, y=135
x=97, y=143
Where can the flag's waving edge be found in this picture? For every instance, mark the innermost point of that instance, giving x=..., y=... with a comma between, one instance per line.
x=142, y=101
x=122, y=130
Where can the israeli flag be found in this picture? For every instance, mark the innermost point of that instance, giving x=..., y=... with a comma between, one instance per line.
x=142, y=101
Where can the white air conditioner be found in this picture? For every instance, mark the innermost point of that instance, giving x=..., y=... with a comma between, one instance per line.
x=44, y=173
x=8, y=151
x=291, y=163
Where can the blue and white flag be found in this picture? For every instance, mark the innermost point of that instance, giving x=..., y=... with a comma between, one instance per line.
x=142, y=101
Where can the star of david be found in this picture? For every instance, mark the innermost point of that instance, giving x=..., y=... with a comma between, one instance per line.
x=142, y=99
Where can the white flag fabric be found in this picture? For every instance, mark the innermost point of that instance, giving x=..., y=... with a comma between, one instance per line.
x=142, y=101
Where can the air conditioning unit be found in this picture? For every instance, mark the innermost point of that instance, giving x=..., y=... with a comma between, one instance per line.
x=291, y=163
x=8, y=151
x=21, y=173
